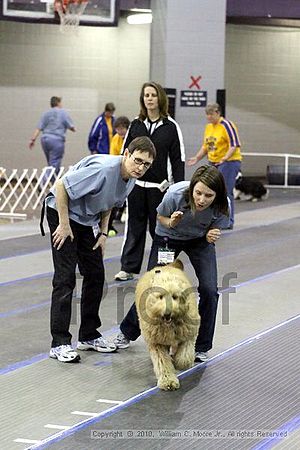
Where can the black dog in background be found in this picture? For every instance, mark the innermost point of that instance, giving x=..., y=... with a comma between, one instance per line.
x=247, y=188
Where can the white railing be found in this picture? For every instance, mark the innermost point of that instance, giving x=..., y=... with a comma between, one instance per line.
x=24, y=190
x=286, y=161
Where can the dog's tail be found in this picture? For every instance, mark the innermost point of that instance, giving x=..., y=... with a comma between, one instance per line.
x=178, y=264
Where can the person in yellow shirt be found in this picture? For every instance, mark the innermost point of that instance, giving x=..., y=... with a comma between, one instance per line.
x=121, y=126
x=221, y=145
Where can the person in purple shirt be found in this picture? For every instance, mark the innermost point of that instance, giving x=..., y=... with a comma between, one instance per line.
x=102, y=131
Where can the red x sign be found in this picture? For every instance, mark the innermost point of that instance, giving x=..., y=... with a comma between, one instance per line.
x=195, y=82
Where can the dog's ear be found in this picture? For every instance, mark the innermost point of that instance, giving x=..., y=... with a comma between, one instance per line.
x=177, y=264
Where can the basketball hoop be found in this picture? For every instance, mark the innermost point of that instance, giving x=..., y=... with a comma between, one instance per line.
x=69, y=12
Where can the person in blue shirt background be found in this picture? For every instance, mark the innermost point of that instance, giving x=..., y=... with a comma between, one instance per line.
x=80, y=203
x=102, y=131
x=189, y=219
x=53, y=125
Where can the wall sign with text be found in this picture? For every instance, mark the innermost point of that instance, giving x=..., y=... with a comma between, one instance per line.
x=193, y=98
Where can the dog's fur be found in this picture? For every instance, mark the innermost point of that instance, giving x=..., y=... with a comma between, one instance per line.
x=169, y=320
x=247, y=188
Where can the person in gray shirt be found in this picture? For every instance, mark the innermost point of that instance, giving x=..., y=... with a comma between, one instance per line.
x=53, y=125
x=189, y=219
x=80, y=203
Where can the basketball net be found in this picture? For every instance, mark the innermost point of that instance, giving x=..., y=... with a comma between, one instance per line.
x=69, y=12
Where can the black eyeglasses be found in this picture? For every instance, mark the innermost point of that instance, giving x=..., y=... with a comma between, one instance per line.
x=139, y=162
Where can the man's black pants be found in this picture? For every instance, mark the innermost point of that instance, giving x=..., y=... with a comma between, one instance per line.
x=91, y=267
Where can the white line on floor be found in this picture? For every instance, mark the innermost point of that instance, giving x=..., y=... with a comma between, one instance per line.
x=85, y=413
x=57, y=427
x=27, y=441
x=104, y=400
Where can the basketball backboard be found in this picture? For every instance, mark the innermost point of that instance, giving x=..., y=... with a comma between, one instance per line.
x=97, y=12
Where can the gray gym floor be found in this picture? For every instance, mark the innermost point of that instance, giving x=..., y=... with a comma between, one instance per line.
x=246, y=397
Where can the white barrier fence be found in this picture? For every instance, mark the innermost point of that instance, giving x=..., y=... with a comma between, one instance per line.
x=286, y=159
x=23, y=191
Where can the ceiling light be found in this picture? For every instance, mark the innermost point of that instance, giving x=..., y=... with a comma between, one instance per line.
x=139, y=19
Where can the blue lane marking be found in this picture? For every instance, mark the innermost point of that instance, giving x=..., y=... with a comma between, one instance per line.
x=85, y=423
x=145, y=394
x=25, y=310
x=22, y=364
x=247, y=341
x=279, y=434
x=115, y=329
x=50, y=274
x=21, y=280
x=226, y=233
x=33, y=252
x=114, y=258
x=103, y=363
x=124, y=283
x=266, y=276
x=42, y=356
x=25, y=253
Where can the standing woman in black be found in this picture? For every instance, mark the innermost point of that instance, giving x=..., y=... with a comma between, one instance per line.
x=168, y=168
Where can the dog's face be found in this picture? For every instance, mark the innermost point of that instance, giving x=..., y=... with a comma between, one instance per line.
x=166, y=295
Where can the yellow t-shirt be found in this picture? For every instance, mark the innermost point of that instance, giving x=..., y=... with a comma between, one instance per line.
x=219, y=138
x=116, y=145
x=110, y=128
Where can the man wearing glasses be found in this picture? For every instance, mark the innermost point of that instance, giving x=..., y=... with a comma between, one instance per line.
x=80, y=203
x=139, y=162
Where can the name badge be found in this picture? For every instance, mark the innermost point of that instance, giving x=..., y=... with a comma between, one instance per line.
x=166, y=256
x=163, y=185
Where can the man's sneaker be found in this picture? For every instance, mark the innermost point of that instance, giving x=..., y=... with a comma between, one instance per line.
x=99, y=345
x=201, y=357
x=123, y=276
x=64, y=353
x=121, y=341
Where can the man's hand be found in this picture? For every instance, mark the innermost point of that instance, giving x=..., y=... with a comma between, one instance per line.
x=101, y=241
x=213, y=235
x=61, y=233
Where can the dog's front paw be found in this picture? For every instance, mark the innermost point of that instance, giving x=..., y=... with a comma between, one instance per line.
x=168, y=383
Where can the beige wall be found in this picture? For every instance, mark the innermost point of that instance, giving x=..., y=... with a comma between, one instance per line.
x=188, y=39
x=262, y=73
x=89, y=69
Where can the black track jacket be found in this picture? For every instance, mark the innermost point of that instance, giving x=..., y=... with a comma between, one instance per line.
x=168, y=141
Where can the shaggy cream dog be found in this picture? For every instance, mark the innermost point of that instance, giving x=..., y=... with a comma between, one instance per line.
x=169, y=321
